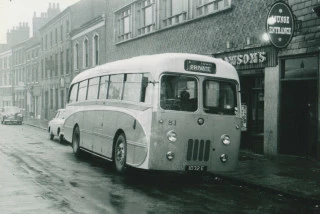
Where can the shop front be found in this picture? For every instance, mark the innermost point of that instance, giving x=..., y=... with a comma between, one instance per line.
x=251, y=64
x=299, y=98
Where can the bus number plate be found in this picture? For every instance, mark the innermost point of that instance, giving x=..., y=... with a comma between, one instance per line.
x=196, y=168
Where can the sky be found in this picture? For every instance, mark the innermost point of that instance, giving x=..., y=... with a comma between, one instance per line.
x=12, y=12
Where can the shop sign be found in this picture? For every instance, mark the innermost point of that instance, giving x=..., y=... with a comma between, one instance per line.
x=280, y=24
x=247, y=58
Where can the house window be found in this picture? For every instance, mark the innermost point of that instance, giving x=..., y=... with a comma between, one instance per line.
x=124, y=24
x=51, y=98
x=46, y=41
x=61, y=32
x=147, y=17
x=61, y=63
x=67, y=61
x=76, y=56
x=51, y=39
x=176, y=7
x=67, y=26
x=56, y=64
x=176, y=11
x=205, y=7
x=85, y=53
x=57, y=98
x=96, y=50
x=56, y=35
x=62, y=98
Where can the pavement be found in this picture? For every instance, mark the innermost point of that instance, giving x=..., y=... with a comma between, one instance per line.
x=285, y=175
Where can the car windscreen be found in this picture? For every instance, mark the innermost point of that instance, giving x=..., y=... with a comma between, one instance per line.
x=12, y=110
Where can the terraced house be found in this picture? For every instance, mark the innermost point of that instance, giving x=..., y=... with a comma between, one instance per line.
x=56, y=70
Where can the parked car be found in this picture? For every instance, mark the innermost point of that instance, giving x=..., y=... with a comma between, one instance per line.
x=11, y=114
x=54, y=125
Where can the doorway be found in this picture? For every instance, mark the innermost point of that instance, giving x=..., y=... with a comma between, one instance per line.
x=298, y=117
x=252, y=96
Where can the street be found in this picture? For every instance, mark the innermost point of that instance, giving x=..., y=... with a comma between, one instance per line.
x=42, y=176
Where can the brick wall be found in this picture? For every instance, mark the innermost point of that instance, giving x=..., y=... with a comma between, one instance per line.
x=204, y=36
x=308, y=40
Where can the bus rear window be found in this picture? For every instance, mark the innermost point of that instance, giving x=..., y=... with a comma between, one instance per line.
x=179, y=93
x=219, y=97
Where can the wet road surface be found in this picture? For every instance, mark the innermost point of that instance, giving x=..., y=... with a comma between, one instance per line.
x=42, y=176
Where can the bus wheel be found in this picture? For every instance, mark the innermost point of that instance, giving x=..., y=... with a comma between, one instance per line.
x=120, y=153
x=76, y=141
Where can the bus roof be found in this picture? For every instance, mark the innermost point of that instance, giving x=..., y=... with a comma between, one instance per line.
x=158, y=63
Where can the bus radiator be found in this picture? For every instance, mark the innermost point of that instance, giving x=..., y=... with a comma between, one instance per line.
x=198, y=150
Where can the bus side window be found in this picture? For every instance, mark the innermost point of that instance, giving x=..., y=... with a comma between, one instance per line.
x=93, y=88
x=104, y=86
x=115, y=86
x=132, y=87
x=73, y=93
x=82, y=95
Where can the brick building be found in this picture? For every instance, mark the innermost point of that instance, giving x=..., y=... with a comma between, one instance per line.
x=233, y=30
x=5, y=78
x=56, y=70
x=32, y=67
x=89, y=44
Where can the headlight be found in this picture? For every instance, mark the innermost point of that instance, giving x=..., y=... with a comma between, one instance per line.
x=225, y=139
x=172, y=136
x=170, y=155
x=19, y=115
x=224, y=158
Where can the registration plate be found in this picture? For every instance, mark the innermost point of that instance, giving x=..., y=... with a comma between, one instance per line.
x=196, y=168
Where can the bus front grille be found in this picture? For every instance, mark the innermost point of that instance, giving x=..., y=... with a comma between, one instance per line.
x=198, y=150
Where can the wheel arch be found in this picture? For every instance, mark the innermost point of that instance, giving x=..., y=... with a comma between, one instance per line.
x=118, y=132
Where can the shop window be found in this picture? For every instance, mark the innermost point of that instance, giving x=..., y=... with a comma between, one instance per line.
x=299, y=68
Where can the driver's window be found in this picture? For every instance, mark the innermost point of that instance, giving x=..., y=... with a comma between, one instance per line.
x=179, y=93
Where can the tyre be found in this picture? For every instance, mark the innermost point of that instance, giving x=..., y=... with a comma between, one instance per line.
x=61, y=139
x=76, y=141
x=51, y=136
x=120, y=152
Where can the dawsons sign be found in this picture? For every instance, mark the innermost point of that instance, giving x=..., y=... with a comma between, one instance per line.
x=251, y=58
x=280, y=24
